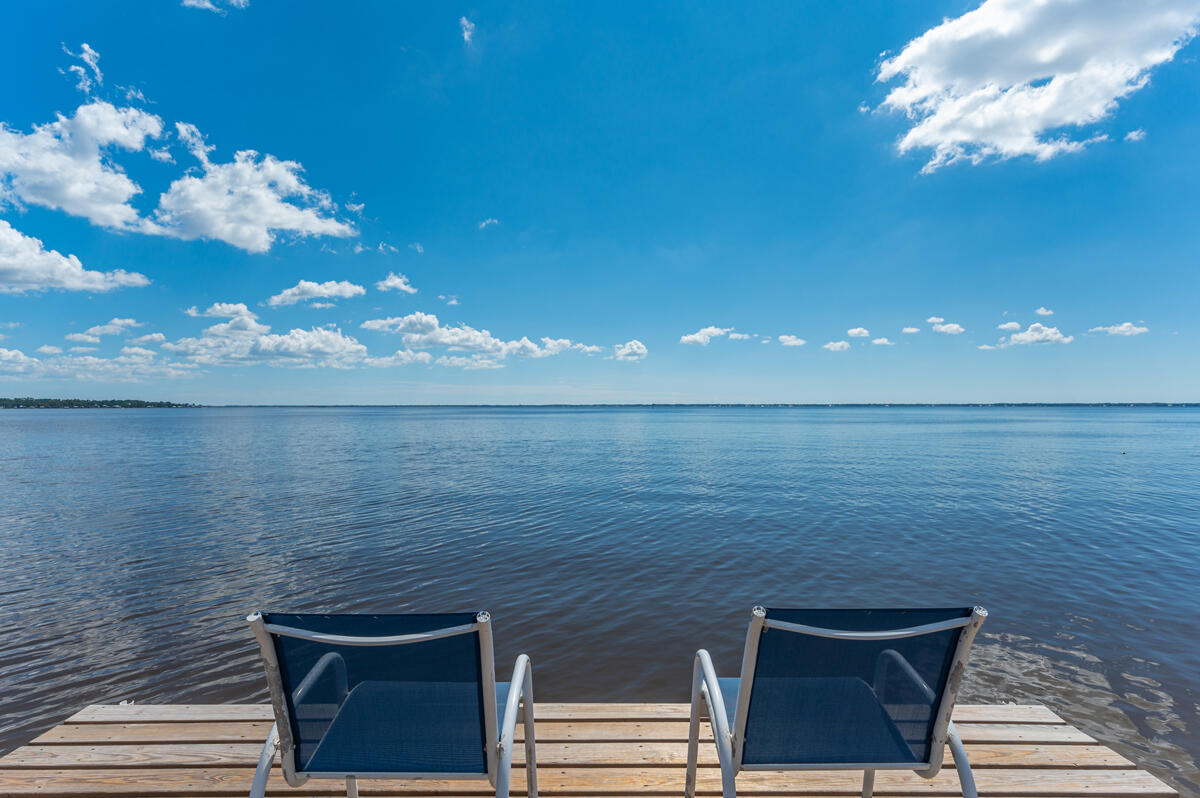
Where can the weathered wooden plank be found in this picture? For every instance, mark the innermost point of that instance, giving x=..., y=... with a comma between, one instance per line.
x=547, y=731
x=170, y=713
x=150, y=733
x=596, y=781
x=643, y=754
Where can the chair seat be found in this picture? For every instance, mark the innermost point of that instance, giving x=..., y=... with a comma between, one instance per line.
x=818, y=720
x=404, y=728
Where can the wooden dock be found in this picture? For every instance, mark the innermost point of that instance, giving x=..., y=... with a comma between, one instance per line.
x=583, y=750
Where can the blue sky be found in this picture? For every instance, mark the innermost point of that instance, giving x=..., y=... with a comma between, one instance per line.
x=596, y=202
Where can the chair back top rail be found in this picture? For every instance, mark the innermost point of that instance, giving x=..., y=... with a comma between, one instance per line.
x=387, y=640
x=886, y=634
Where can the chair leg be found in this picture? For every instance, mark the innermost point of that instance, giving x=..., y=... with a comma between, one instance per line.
x=258, y=786
x=868, y=783
x=351, y=787
x=965, y=777
x=530, y=743
x=693, y=751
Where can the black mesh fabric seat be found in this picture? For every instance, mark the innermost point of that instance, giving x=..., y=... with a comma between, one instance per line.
x=837, y=689
x=823, y=700
x=414, y=708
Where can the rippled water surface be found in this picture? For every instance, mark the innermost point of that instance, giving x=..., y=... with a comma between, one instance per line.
x=609, y=543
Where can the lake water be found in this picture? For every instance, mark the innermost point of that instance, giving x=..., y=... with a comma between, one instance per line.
x=608, y=543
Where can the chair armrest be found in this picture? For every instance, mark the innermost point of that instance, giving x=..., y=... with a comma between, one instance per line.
x=520, y=688
x=891, y=655
x=717, y=715
x=331, y=659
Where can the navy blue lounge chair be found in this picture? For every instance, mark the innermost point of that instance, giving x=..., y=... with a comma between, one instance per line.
x=838, y=690
x=390, y=696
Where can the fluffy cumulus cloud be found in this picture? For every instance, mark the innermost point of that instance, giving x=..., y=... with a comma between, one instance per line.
x=836, y=346
x=858, y=332
x=244, y=339
x=791, y=340
x=133, y=364
x=151, y=338
x=1009, y=325
x=395, y=282
x=737, y=336
x=1044, y=311
x=467, y=28
x=26, y=265
x=1125, y=328
x=66, y=164
x=307, y=290
x=1038, y=333
x=630, y=350
x=419, y=331
x=882, y=342
x=113, y=327
x=702, y=336
x=911, y=330
x=949, y=328
x=1029, y=77
x=245, y=202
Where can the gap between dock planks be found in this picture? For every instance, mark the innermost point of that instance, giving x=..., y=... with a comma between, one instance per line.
x=583, y=750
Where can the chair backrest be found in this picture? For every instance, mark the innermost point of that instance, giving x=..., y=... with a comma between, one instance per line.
x=848, y=687
x=381, y=695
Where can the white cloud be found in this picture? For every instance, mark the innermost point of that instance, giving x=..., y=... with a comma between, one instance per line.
x=152, y=338
x=1038, y=333
x=395, y=282
x=488, y=221
x=82, y=338
x=949, y=328
x=468, y=29
x=401, y=357
x=767, y=339
x=1125, y=328
x=215, y=6
x=308, y=290
x=320, y=346
x=910, y=330
x=417, y=248
x=449, y=299
x=14, y=361
x=223, y=310
x=46, y=349
x=423, y=331
x=26, y=265
x=1009, y=325
x=84, y=348
x=355, y=207
x=64, y=165
x=630, y=350
x=736, y=336
x=1012, y=77
x=245, y=202
x=702, y=336
x=89, y=71
x=836, y=346
x=385, y=248
x=882, y=342
x=987, y=346
x=791, y=340
x=113, y=327
x=935, y=320
x=1044, y=311
x=858, y=332
x=470, y=363
x=1135, y=135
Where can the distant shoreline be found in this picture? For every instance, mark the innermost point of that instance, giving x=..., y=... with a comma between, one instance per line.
x=125, y=404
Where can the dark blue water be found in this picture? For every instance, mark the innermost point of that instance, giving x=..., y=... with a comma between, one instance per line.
x=609, y=543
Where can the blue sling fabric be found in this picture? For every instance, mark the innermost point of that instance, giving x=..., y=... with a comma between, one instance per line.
x=818, y=700
x=411, y=708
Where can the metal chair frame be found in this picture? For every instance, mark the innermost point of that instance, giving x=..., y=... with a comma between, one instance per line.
x=706, y=695
x=498, y=732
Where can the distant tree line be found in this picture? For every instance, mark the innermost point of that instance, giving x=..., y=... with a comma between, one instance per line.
x=29, y=401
